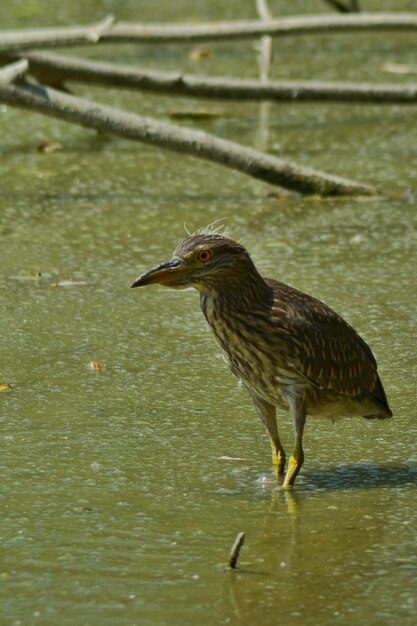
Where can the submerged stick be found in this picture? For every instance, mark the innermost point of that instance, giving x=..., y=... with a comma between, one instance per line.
x=235, y=551
x=52, y=68
x=203, y=145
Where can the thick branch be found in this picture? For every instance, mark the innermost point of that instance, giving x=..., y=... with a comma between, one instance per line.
x=168, y=33
x=169, y=136
x=54, y=69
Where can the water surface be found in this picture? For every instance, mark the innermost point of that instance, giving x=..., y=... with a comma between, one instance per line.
x=117, y=506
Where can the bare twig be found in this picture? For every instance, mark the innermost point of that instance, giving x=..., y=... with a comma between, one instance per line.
x=56, y=69
x=235, y=551
x=187, y=33
x=14, y=72
x=178, y=139
x=96, y=32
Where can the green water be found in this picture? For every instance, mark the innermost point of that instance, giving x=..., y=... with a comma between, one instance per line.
x=117, y=507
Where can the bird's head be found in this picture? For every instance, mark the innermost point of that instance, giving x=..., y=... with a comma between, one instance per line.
x=207, y=262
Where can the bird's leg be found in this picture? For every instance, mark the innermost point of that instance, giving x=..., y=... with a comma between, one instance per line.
x=267, y=414
x=297, y=406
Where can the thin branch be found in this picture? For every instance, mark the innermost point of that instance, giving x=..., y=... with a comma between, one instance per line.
x=97, y=31
x=56, y=69
x=265, y=62
x=123, y=32
x=14, y=72
x=178, y=139
x=265, y=55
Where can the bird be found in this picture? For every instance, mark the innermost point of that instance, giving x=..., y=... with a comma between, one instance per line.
x=290, y=350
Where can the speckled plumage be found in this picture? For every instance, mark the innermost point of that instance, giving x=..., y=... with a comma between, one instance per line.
x=290, y=350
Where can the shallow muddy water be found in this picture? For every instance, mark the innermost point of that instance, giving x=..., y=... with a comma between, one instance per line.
x=118, y=504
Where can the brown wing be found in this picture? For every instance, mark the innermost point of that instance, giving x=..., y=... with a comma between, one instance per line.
x=321, y=346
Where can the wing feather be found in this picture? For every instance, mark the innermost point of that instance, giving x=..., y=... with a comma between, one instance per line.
x=321, y=346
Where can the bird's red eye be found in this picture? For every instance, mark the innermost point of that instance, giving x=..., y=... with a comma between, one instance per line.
x=204, y=256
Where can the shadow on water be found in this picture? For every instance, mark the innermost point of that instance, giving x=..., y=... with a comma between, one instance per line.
x=360, y=476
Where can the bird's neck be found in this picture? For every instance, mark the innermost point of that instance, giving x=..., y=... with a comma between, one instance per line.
x=242, y=292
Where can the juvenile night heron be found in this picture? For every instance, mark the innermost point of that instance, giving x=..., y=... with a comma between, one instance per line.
x=289, y=349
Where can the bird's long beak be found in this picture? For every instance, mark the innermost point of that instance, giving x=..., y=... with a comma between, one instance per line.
x=165, y=274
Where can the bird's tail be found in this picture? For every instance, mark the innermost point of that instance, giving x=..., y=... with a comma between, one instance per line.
x=379, y=399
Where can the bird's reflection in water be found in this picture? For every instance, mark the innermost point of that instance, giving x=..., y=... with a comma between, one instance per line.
x=315, y=537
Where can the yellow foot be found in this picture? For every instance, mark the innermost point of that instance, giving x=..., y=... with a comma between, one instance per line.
x=278, y=461
x=294, y=467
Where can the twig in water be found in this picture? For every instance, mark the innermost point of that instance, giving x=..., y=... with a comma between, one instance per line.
x=235, y=551
x=265, y=60
x=265, y=51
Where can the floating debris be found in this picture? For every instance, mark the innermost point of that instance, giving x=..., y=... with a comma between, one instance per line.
x=47, y=147
x=70, y=283
x=231, y=458
x=399, y=68
x=196, y=54
x=96, y=366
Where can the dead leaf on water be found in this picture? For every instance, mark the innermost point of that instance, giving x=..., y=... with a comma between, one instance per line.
x=47, y=147
x=5, y=387
x=196, y=54
x=276, y=196
x=96, y=366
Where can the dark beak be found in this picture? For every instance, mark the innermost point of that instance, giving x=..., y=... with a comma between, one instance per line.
x=165, y=274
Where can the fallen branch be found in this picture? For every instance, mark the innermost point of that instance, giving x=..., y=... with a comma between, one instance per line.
x=123, y=32
x=265, y=167
x=54, y=69
x=249, y=29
